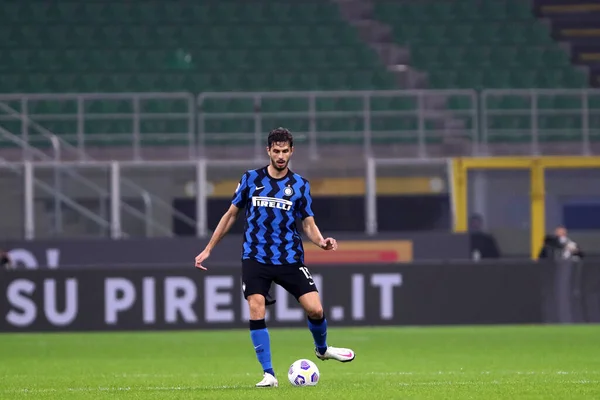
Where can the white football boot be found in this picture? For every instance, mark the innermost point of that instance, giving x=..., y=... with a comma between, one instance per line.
x=268, y=381
x=336, y=353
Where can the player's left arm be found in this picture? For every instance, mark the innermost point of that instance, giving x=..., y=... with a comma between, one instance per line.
x=309, y=225
x=314, y=234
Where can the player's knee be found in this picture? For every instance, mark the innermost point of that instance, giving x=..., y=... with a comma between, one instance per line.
x=312, y=305
x=315, y=312
x=256, y=303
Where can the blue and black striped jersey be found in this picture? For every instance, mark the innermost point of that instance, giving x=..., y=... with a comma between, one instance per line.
x=271, y=208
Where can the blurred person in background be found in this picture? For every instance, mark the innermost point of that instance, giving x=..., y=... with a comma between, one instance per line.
x=483, y=244
x=559, y=246
x=5, y=261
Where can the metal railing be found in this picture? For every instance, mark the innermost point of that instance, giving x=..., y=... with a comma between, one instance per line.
x=419, y=119
x=537, y=116
x=85, y=120
x=26, y=172
x=324, y=118
x=201, y=193
x=213, y=180
x=55, y=189
x=63, y=148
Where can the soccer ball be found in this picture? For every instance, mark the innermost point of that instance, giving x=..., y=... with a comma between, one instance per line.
x=304, y=373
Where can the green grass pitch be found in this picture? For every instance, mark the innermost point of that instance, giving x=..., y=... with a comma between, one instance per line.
x=546, y=362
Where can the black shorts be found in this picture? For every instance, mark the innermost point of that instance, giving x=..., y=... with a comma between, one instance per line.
x=294, y=278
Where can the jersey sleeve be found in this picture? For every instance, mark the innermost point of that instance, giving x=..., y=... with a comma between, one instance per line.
x=240, y=197
x=304, y=209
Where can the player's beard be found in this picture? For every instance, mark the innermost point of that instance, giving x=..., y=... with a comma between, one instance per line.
x=279, y=167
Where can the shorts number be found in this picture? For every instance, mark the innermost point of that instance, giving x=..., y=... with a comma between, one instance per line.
x=306, y=273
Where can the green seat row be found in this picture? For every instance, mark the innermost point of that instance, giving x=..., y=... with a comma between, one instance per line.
x=213, y=60
x=331, y=129
x=449, y=11
x=150, y=12
x=575, y=102
x=111, y=104
x=122, y=126
x=195, y=83
x=441, y=57
x=519, y=78
x=544, y=122
x=477, y=33
x=518, y=129
x=336, y=129
x=303, y=104
x=216, y=35
x=212, y=105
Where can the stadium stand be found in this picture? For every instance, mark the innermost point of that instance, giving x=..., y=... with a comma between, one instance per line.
x=503, y=45
x=229, y=45
x=480, y=44
x=236, y=45
x=209, y=46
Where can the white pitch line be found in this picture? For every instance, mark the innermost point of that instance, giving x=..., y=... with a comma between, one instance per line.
x=392, y=373
x=374, y=373
x=463, y=372
x=224, y=387
x=478, y=383
x=122, y=389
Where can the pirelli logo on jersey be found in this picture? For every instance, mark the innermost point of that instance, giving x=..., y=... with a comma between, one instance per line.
x=272, y=202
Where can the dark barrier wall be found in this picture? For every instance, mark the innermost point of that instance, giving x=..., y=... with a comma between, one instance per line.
x=396, y=213
x=571, y=291
x=80, y=253
x=186, y=298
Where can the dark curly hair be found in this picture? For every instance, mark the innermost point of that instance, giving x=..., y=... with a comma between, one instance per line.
x=280, y=135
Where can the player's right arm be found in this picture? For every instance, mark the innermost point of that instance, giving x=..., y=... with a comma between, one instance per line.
x=240, y=197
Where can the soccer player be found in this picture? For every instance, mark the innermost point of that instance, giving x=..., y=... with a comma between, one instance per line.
x=273, y=197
